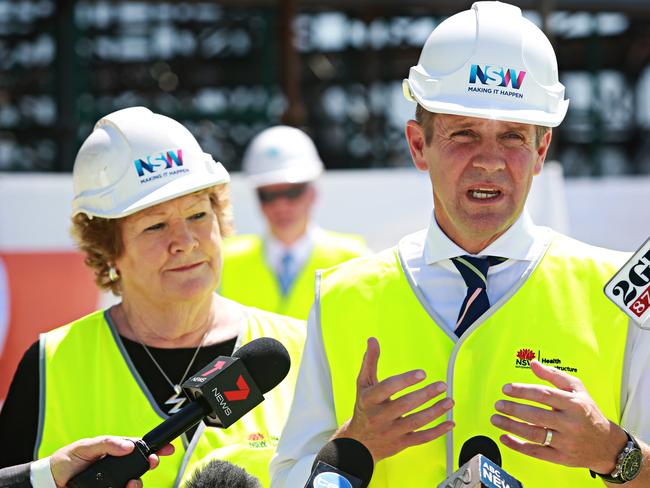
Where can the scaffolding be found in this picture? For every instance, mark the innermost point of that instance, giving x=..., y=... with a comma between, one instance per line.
x=332, y=67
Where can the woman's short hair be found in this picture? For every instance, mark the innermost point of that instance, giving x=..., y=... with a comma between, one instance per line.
x=100, y=239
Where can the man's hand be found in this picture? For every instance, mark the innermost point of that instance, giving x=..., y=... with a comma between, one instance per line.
x=72, y=459
x=383, y=425
x=581, y=435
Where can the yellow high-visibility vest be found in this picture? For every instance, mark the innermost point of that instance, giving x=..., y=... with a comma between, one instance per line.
x=557, y=314
x=88, y=388
x=248, y=279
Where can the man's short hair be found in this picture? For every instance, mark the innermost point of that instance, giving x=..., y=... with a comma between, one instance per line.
x=425, y=119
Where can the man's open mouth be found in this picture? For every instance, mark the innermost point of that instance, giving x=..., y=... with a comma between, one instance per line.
x=484, y=193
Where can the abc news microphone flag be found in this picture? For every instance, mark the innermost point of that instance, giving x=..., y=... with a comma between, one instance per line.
x=480, y=466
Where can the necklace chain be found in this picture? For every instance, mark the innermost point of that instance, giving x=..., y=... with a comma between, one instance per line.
x=176, y=387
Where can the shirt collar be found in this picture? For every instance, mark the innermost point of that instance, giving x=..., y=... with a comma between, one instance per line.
x=300, y=249
x=518, y=242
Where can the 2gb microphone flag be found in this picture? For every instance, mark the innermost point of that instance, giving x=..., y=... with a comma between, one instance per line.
x=629, y=289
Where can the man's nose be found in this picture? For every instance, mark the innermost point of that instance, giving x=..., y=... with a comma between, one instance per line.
x=490, y=158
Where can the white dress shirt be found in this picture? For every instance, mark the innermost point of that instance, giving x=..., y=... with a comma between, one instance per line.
x=426, y=257
x=40, y=474
x=275, y=249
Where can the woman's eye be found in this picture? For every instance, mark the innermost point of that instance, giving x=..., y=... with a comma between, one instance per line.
x=155, y=227
x=198, y=216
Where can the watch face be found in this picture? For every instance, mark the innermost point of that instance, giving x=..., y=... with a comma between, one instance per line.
x=631, y=465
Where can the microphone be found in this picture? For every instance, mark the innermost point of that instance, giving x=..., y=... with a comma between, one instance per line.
x=220, y=394
x=222, y=474
x=629, y=288
x=480, y=467
x=341, y=463
x=479, y=444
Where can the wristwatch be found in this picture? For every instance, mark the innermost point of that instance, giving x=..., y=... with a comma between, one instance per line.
x=628, y=463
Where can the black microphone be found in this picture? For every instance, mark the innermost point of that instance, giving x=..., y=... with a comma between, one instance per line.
x=341, y=463
x=220, y=394
x=222, y=474
x=479, y=444
x=480, y=467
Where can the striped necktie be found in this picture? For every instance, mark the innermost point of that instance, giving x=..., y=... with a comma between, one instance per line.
x=474, y=272
x=286, y=275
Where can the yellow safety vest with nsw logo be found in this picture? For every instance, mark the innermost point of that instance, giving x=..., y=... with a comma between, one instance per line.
x=556, y=313
x=248, y=279
x=89, y=388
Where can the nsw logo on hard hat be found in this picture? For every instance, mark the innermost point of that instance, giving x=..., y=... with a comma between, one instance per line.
x=496, y=76
x=154, y=165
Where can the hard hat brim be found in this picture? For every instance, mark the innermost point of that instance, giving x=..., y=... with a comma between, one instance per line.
x=284, y=175
x=178, y=187
x=522, y=116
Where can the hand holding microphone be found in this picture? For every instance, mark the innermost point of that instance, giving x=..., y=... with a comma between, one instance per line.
x=220, y=394
x=70, y=460
x=384, y=425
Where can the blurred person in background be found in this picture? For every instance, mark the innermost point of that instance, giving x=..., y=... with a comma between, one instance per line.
x=506, y=317
x=149, y=212
x=276, y=271
x=68, y=461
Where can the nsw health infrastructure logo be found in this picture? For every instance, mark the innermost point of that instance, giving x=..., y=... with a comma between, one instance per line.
x=331, y=480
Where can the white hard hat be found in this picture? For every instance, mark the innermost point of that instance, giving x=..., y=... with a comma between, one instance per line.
x=135, y=159
x=489, y=62
x=281, y=154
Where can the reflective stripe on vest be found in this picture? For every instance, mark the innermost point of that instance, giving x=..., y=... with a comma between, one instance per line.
x=88, y=389
x=559, y=315
x=248, y=279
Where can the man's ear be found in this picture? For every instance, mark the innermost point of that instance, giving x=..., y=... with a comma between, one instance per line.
x=416, y=139
x=542, y=150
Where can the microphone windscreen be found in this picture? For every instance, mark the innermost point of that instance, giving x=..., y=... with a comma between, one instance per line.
x=267, y=361
x=479, y=444
x=348, y=455
x=222, y=474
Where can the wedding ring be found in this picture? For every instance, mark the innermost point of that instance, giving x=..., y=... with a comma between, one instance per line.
x=549, y=437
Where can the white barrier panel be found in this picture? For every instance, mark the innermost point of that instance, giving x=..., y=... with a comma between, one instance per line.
x=610, y=212
x=381, y=205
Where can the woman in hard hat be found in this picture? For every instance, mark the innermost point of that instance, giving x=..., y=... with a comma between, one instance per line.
x=282, y=163
x=149, y=212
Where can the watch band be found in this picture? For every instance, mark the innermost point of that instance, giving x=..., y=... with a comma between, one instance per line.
x=614, y=476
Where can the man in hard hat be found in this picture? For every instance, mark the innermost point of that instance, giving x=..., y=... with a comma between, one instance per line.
x=276, y=272
x=482, y=303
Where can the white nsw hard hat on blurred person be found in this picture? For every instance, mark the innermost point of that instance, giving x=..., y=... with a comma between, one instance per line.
x=281, y=154
x=489, y=62
x=135, y=159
